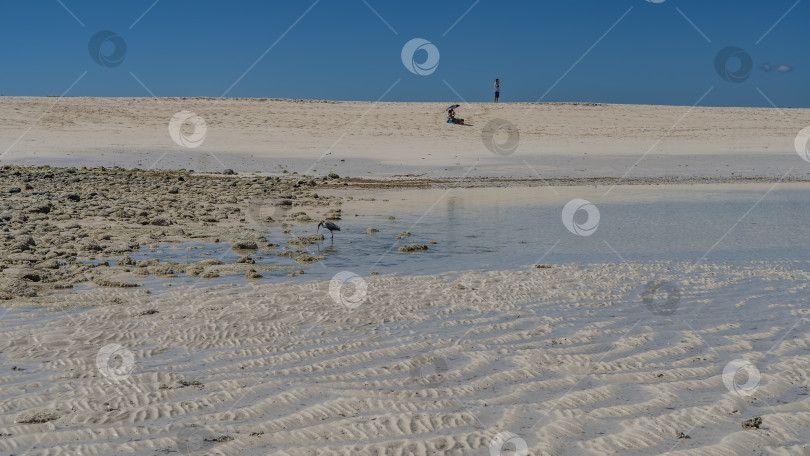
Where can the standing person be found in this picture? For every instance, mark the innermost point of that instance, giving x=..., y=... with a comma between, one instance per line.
x=497, y=89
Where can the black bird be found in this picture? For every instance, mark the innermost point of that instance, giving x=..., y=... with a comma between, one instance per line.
x=329, y=226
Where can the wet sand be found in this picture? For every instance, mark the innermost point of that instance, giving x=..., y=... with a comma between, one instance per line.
x=568, y=358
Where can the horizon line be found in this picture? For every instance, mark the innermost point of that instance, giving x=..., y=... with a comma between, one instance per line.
x=319, y=100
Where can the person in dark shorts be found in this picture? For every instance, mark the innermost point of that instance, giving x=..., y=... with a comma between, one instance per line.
x=497, y=89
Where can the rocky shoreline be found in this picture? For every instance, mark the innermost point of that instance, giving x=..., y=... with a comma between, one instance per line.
x=66, y=227
x=62, y=227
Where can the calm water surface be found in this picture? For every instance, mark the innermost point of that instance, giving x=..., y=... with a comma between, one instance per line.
x=506, y=228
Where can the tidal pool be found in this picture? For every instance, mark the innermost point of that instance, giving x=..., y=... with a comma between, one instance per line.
x=505, y=228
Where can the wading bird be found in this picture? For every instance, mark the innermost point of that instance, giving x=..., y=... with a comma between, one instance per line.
x=329, y=226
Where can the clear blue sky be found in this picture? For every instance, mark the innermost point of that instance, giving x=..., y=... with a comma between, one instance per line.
x=342, y=50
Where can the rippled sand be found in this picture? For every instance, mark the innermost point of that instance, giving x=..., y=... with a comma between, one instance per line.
x=569, y=359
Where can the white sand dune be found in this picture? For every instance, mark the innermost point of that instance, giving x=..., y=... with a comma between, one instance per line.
x=383, y=139
x=567, y=358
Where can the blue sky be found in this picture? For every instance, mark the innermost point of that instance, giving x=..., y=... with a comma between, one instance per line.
x=611, y=51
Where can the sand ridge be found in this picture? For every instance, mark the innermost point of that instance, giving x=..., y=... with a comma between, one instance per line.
x=363, y=139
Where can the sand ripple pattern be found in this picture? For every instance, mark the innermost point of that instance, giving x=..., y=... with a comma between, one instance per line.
x=568, y=358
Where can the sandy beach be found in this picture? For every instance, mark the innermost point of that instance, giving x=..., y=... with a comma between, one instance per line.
x=361, y=139
x=551, y=279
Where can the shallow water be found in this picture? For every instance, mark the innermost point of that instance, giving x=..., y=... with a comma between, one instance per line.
x=505, y=228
